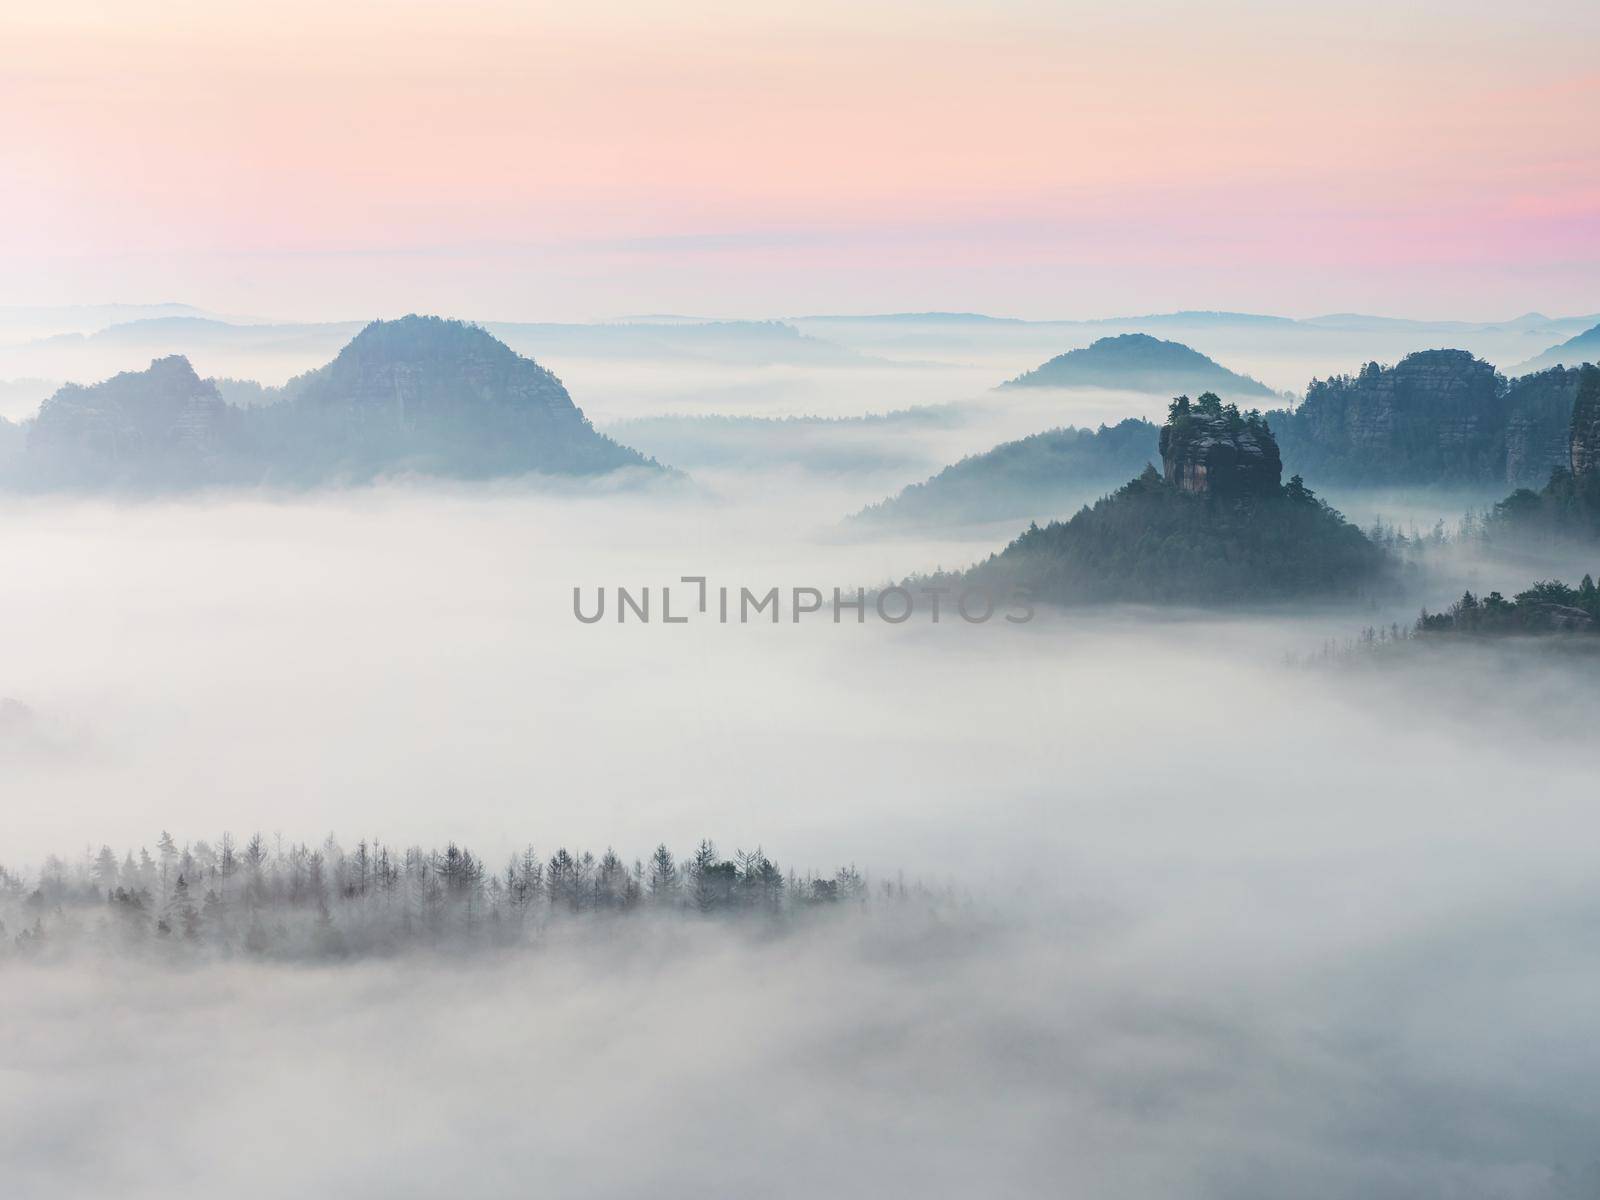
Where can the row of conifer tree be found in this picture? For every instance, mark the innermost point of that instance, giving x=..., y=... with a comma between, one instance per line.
x=293, y=900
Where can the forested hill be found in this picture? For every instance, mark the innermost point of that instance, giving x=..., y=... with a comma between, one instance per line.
x=1436, y=417
x=1574, y=352
x=419, y=394
x=1138, y=362
x=1216, y=527
x=1036, y=476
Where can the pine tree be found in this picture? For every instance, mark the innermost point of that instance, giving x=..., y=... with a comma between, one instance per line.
x=663, y=876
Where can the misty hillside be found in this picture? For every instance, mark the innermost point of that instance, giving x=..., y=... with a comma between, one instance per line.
x=1216, y=526
x=1574, y=352
x=435, y=396
x=13, y=441
x=1568, y=505
x=1544, y=608
x=1140, y=363
x=1435, y=417
x=420, y=394
x=160, y=427
x=1032, y=477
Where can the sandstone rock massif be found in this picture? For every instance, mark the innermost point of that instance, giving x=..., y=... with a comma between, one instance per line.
x=1210, y=449
x=1583, y=442
x=139, y=426
x=419, y=395
x=1435, y=417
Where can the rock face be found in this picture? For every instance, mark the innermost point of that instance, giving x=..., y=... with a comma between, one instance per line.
x=1140, y=363
x=1583, y=454
x=1538, y=425
x=161, y=422
x=1210, y=449
x=1440, y=416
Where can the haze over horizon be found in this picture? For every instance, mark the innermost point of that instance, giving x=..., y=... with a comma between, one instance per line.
x=703, y=598
x=524, y=161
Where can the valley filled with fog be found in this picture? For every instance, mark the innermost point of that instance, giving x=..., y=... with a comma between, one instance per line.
x=1219, y=914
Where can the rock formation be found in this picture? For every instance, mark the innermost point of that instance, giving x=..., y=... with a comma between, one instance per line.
x=163, y=422
x=1584, y=440
x=415, y=395
x=1538, y=425
x=1210, y=449
x=1440, y=416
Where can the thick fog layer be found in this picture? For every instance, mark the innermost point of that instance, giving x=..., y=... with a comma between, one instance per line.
x=1241, y=920
x=1401, y=1055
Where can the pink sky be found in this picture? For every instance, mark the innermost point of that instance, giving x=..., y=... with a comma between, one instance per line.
x=575, y=161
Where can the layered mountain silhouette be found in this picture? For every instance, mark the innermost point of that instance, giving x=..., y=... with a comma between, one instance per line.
x=420, y=394
x=1574, y=352
x=1036, y=476
x=1138, y=362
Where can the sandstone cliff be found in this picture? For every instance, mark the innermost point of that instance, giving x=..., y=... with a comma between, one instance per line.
x=1584, y=438
x=163, y=422
x=1440, y=416
x=1210, y=449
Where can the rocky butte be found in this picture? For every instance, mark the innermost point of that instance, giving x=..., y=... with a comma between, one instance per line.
x=1209, y=449
x=1217, y=526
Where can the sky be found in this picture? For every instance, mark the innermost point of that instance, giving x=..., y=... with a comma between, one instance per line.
x=552, y=161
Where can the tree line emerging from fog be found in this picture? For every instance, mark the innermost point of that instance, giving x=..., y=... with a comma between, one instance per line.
x=1548, y=607
x=294, y=901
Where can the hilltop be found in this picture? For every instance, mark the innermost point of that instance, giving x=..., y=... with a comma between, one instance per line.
x=1031, y=477
x=420, y=394
x=1215, y=526
x=1140, y=363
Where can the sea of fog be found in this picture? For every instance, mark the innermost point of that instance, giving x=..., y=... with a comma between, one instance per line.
x=1238, y=923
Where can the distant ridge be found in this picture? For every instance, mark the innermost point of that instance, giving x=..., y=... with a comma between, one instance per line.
x=1038, y=476
x=1574, y=352
x=1141, y=363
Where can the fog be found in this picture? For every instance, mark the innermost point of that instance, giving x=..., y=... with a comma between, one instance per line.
x=1116, y=1058
x=1240, y=920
